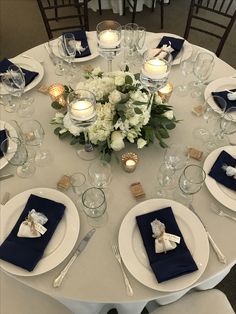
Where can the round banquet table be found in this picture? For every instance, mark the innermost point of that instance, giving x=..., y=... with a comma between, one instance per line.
x=95, y=279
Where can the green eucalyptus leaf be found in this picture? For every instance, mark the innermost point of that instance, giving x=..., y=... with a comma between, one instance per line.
x=56, y=105
x=57, y=130
x=128, y=80
x=164, y=133
x=137, y=110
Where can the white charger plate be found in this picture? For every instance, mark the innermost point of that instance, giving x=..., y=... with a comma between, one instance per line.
x=29, y=64
x=222, y=194
x=92, y=42
x=184, y=53
x=62, y=241
x=219, y=85
x=12, y=133
x=134, y=254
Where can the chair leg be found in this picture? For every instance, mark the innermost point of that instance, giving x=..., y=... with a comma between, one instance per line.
x=162, y=13
x=124, y=4
x=56, y=10
x=134, y=11
x=153, y=5
x=100, y=7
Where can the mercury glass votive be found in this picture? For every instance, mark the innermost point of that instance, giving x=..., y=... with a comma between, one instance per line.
x=56, y=90
x=129, y=161
x=165, y=92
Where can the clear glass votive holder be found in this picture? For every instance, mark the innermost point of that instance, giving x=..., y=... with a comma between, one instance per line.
x=129, y=161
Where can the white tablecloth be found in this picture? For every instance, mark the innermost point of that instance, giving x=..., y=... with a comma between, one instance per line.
x=95, y=281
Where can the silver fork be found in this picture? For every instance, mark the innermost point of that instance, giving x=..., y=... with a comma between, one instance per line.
x=116, y=252
x=220, y=212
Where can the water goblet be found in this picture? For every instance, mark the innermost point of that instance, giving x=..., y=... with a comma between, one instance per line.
x=109, y=40
x=186, y=66
x=33, y=135
x=190, y=183
x=16, y=153
x=52, y=46
x=128, y=43
x=82, y=113
x=155, y=69
x=67, y=50
x=94, y=206
x=202, y=69
x=166, y=181
x=176, y=156
x=99, y=173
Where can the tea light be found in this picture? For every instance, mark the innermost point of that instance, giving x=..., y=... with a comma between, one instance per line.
x=109, y=38
x=82, y=110
x=155, y=68
x=56, y=90
x=129, y=161
x=165, y=92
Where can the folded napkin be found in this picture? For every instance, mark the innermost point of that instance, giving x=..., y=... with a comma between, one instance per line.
x=26, y=252
x=219, y=174
x=29, y=75
x=3, y=136
x=176, y=44
x=173, y=263
x=83, y=47
x=223, y=94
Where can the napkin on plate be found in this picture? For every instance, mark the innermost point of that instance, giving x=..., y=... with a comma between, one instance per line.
x=29, y=75
x=219, y=174
x=80, y=36
x=223, y=94
x=176, y=44
x=3, y=136
x=173, y=263
x=26, y=252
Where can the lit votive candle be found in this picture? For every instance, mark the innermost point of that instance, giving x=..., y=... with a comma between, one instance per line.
x=129, y=161
x=155, y=68
x=56, y=90
x=165, y=92
x=109, y=38
x=82, y=110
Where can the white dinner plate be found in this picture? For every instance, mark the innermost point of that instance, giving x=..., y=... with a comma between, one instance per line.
x=225, y=196
x=92, y=42
x=63, y=239
x=29, y=64
x=134, y=254
x=219, y=85
x=184, y=53
x=12, y=132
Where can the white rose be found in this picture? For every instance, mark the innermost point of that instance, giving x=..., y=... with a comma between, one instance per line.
x=169, y=114
x=117, y=142
x=114, y=97
x=119, y=80
x=141, y=143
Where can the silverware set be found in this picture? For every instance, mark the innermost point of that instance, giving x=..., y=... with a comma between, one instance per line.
x=220, y=212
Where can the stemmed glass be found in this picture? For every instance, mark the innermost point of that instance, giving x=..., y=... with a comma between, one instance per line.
x=166, y=181
x=82, y=113
x=155, y=69
x=186, y=67
x=109, y=40
x=202, y=69
x=67, y=50
x=176, y=156
x=16, y=154
x=94, y=205
x=99, y=173
x=33, y=135
x=14, y=82
x=51, y=46
x=190, y=183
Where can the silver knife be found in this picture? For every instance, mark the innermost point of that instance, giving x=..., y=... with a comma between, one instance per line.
x=6, y=176
x=218, y=252
x=82, y=245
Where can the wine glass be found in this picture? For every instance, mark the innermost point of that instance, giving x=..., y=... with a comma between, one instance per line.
x=99, y=173
x=15, y=152
x=176, y=156
x=155, y=69
x=190, y=183
x=94, y=206
x=14, y=82
x=51, y=46
x=129, y=38
x=33, y=135
x=186, y=67
x=109, y=40
x=202, y=69
x=166, y=181
x=82, y=113
x=67, y=50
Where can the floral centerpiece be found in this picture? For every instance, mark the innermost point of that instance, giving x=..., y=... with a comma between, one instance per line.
x=125, y=113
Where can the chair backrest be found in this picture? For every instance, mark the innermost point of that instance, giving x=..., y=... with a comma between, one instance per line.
x=60, y=15
x=218, y=15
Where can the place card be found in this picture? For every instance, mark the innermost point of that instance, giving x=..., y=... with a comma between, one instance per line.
x=137, y=190
x=195, y=153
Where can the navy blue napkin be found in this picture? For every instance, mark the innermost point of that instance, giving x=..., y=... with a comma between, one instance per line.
x=26, y=252
x=223, y=94
x=219, y=174
x=80, y=35
x=168, y=265
x=3, y=136
x=176, y=44
x=29, y=75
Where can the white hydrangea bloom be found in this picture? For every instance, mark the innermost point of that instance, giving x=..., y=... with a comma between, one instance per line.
x=117, y=142
x=58, y=119
x=141, y=143
x=73, y=129
x=114, y=97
